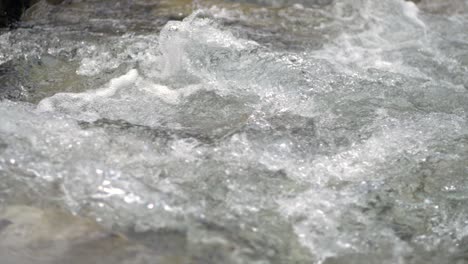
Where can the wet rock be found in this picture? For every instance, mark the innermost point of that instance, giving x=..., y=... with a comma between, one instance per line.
x=9, y=89
x=3, y=19
x=162, y=241
x=52, y=236
x=278, y=3
x=277, y=24
x=29, y=226
x=442, y=7
x=4, y=223
x=54, y=2
x=11, y=10
x=109, y=17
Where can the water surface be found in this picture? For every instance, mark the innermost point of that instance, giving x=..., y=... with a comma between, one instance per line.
x=235, y=132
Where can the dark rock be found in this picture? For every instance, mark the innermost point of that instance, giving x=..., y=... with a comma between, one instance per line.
x=4, y=223
x=11, y=10
x=54, y=2
x=9, y=87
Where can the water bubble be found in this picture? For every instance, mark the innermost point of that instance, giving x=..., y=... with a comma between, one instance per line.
x=132, y=198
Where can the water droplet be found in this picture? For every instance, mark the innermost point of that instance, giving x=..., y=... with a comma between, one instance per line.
x=168, y=208
x=131, y=198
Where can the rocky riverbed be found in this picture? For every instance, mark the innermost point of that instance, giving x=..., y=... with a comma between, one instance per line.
x=254, y=131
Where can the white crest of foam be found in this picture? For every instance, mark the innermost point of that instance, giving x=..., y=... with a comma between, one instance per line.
x=181, y=40
x=410, y=10
x=168, y=95
x=127, y=91
x=65, y=99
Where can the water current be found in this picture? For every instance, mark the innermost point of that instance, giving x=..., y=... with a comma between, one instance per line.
x=261, y=131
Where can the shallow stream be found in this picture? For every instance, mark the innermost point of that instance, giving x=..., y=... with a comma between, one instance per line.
x=255, y=131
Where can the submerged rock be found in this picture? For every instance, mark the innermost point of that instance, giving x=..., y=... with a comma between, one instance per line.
x=52, y=236
x=446, y=7
x=29, y=233
x=48, y=236
x=113, y=17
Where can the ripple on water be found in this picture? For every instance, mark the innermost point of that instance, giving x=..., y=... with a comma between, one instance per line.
x=257, y=132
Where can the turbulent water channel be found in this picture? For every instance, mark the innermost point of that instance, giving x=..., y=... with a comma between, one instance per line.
x=232, y=132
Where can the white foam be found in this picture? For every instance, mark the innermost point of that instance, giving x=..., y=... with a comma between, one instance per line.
x=308, y=136
x=168, y=95
x=411, y=11
x=78, y=100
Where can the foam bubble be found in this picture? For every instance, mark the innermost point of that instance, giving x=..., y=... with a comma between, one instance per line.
x=350, y=151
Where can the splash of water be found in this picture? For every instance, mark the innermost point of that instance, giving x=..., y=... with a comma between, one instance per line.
x=351, y=151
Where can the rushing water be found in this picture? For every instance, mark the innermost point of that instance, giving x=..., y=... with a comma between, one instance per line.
x=261, y=131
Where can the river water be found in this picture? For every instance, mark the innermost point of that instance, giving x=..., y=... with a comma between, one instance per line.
x=261, y=131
